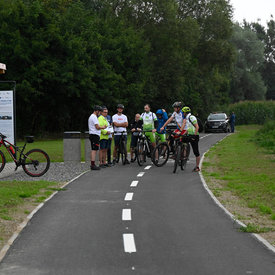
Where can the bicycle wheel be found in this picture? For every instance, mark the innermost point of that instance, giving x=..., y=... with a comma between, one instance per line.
x=177, y=158
x=161, y=154
x=2, y=161
x=184, y=156
x=141, y=154
x=36, y=163
x=123, y=153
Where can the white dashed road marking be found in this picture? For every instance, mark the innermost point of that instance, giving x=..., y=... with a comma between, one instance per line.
x=134, y=183
x=126, y=215
x=147, y=167
x=141, y=174
x=129, y=243
x=129, y=196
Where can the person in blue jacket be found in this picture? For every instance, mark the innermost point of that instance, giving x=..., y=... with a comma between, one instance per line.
x=232, y=121
x=162, y=118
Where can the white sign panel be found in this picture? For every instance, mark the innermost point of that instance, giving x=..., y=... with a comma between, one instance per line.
x=7, y=115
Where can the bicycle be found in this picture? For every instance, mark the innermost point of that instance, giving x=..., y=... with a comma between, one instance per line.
x=182, y=153
x=35, y=162
x=144, y=148
x=122, y=148
x=177, y=148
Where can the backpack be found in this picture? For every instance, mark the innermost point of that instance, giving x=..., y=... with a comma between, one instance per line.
x=199, y=124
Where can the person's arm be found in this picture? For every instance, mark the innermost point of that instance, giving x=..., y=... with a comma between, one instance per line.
x=197, y=128
x=195, y=124
x=101, y=126
x=167, y=122
x=183, y=125
x=156, y=124
x=98, y=127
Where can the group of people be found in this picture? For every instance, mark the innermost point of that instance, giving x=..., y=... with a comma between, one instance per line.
x=103, y=129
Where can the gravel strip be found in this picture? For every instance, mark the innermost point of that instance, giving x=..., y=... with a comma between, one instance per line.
x=58, y=172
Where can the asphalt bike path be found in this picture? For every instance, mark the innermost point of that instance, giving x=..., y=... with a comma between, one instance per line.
x=136, y=220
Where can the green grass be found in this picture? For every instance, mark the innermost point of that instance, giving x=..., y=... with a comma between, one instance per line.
x=245, y=169
x=252, y=228
x=266, y=136
x=14, y=193
x=16, y=198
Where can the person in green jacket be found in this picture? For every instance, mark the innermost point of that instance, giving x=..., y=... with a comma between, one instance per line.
x=104, y=138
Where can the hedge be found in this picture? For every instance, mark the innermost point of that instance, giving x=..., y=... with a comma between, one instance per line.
x=253, y=112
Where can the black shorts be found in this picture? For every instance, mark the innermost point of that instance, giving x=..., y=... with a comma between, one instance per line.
x=134, y=140
x=104, y=144
x=194, y=141
x=94, y=142
x=117, y=139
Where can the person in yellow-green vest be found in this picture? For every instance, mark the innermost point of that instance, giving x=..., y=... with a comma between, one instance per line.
x=104, y=137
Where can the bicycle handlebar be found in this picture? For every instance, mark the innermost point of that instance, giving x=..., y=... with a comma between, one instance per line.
x=123, y=132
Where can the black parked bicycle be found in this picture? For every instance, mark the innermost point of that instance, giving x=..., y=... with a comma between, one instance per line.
x=35, y=162
x=182, y=152
x=122, y=148
x=144, y=148
x=177, y=148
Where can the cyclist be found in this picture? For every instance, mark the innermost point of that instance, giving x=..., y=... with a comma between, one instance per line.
x=177, y=115
x=104, y=138
x=134, y=137
x=193, y=130
x=120, y=123
x=94, y=134
x=149, y=122
x=162, y=118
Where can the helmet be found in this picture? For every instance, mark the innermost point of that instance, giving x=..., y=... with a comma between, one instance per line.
x=97, y=108
x=120, y=106
x=159, y=112
x=186, y=109
x=177, y=104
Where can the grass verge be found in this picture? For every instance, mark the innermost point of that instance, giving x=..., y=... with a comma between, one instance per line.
x=241, y=174
x=17, y=200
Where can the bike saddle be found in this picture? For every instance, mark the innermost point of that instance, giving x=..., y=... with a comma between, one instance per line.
x=29, y=139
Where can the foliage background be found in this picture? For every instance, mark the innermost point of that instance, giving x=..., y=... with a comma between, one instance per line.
x=67, y=56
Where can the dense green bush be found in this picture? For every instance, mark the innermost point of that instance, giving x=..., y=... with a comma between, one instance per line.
x=67, y=56
x=265, y=137
x=253, y=112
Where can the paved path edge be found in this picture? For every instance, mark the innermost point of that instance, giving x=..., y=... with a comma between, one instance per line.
x=228, y=213
x=22, y=225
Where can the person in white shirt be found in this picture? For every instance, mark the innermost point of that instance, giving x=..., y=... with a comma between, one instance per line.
x=178, y=116
x=120, y=123
x=94, y=134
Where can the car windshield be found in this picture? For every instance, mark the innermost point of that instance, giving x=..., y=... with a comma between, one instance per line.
x=217, y=117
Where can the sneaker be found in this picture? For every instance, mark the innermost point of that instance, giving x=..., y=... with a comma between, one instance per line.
x=127, y=161
x=132, y=160
x=196, y=169
x=107, y=165
x=94, y=167
x=110, y=163
x=102, y=166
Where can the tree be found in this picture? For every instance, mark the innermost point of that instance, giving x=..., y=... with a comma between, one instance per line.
x=247, y=82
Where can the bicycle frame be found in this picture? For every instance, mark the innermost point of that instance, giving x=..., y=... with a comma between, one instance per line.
x=7, y=144
x=147, y=141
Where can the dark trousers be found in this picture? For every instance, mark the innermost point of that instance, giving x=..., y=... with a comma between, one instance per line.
x=232, y=125
x=109, y=150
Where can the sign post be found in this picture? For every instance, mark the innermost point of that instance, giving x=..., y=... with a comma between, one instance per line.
x=8, y=112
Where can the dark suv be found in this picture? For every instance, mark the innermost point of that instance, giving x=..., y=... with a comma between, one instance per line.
x=217, y=122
